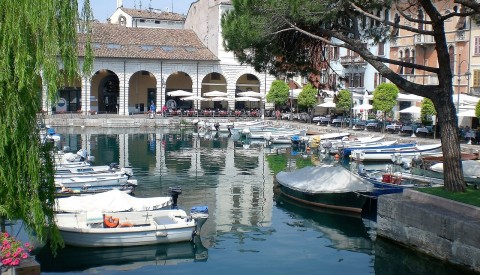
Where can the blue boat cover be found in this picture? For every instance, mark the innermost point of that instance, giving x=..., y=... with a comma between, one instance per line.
x=296, y=138
x=199, y=209
x=51, y=131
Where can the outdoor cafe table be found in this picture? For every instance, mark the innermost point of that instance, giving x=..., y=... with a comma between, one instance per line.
x=394, y=127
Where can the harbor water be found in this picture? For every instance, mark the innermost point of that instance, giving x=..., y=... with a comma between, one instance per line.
x=252, y=229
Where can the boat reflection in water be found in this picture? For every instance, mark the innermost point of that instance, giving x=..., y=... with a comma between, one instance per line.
x=76, y=259
x=345, y=230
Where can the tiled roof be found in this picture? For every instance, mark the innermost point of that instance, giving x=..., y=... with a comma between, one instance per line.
x=159, y=15
x=114, y=41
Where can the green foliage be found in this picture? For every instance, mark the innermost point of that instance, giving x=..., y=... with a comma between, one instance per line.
x=385, y=97
x=427, y=111
x=278, y=93
x=477, y=109
x=308, y=96
x=34, y=37
x=344, y=100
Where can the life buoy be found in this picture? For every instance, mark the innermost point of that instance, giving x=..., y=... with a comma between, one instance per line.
x=110, y=222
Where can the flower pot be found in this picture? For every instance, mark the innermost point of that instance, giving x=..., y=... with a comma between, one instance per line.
x=28, y=266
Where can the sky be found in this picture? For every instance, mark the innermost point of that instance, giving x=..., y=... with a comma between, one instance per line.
x=102, y=9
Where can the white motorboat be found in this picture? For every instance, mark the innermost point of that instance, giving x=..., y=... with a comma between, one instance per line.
x=114, y=219
x=81, y=158
x=87, y=171
x=386, y=154
x=93, y=183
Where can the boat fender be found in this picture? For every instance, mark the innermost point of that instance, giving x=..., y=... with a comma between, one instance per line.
x=110, y=222
x=126, y=224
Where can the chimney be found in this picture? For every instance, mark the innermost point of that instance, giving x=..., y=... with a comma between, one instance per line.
x=119, y=3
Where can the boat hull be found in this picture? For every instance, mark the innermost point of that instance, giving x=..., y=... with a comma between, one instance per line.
x=88, y=229
x=345, y=201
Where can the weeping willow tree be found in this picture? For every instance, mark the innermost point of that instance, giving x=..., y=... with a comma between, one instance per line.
x=37, y=38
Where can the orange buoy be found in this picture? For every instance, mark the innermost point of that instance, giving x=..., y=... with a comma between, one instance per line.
x=110, y=222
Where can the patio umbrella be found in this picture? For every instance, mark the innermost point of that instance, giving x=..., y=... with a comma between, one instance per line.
x=411, y=110
x=194, y=98
x=468, y=113
x=218, y=98
x=250, y=94
x=180, y=93
x=246, y=98
x=363, y=107
x=215, y=93
x=328, y=104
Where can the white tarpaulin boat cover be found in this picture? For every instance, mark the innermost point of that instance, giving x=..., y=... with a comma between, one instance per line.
x=324, y=179
x=110, y=201
x=471, y=168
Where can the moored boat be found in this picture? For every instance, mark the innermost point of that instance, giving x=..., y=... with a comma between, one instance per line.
x=386, y=154
x=330, y=186
x=114, y=219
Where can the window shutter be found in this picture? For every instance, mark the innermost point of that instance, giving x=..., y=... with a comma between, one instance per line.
x=476, y=78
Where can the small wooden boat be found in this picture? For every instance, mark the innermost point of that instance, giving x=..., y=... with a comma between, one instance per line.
x=330, y=186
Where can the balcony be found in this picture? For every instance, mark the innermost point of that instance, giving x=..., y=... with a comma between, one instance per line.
x=460, y=36
x=349, y=60
x=423, y=39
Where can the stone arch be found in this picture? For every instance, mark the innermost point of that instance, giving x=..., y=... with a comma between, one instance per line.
x=69, y=94
x=214, y=82
x=247, y=82
x=178, y=80
x=105, y=92
x=142, y=91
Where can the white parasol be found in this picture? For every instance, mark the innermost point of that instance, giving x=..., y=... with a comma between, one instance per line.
x=250, y=94
x=411, y=110
x=247, y=98
x=179, y=93
x=215, y=94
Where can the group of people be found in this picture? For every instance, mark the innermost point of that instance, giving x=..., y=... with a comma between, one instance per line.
x=153, y=110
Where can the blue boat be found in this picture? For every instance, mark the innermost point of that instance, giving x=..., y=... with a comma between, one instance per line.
x=348, y=150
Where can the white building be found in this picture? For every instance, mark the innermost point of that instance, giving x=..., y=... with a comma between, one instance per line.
x=140, y=56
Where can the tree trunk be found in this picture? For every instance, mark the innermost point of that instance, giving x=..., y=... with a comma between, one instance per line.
x=452, y=165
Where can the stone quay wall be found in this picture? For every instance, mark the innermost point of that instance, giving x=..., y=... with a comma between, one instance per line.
x=438, y=227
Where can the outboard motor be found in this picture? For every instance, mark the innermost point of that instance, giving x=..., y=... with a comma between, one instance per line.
x=200, y=215
x=361, y=169
x=174, y=192
x=327, y=145
x=217, y=126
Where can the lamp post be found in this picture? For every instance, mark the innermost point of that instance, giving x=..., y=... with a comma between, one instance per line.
x=459, y=75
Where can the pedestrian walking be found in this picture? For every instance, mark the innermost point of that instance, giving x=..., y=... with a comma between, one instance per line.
x=153, y=110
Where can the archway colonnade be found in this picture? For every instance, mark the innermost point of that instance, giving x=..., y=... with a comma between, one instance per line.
x=127, y=87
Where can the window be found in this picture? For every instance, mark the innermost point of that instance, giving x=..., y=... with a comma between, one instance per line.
x=476, y=78
x=122, y=20
x=451, y=52
x=381, y=48
x=407, y=59
x=477, y=45
x=420, y=17
x=113, y=46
